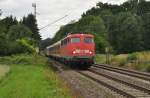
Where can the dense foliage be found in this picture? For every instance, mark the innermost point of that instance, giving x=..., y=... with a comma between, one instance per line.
x=31, y=23
x=17, y=37
x=124, y=28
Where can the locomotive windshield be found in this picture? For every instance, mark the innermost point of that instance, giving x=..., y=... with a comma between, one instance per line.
x=88, y=40
x=75, y=40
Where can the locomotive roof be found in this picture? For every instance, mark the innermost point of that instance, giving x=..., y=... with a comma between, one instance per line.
x=70, y=35
x=78, y=35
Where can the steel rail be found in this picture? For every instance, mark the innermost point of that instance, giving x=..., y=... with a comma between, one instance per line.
x=138, y=87
x=137, y=74
x=119, y=91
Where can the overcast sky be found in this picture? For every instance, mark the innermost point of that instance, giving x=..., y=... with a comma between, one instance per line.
x=49, y=11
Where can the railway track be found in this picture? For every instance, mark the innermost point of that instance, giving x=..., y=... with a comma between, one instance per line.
x=133, y=73
x=125, y=82
x=127, y=76
x=118, y=82
x=125, y=89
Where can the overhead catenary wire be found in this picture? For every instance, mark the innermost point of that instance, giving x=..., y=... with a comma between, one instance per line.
x=35, y=13
x=53, y=22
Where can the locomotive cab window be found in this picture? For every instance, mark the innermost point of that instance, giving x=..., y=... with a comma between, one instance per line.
x=64, y=42
x=75, y=40
x=88, y=40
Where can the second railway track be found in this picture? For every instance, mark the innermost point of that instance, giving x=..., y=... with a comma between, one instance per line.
x=133, y=73
x=121, y=87
x=132, y=84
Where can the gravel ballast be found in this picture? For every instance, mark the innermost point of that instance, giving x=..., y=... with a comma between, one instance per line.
x=82, y=86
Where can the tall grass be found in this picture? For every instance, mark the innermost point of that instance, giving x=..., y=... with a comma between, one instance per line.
x=119, y=60
x=100, y=58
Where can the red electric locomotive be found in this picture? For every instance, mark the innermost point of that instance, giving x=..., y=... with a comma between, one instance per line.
x=75, y=49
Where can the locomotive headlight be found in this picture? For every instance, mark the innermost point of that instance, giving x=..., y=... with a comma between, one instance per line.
x=90, y=52
x=74, y=52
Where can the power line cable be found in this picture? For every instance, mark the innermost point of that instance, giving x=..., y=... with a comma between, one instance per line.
x=53, y=22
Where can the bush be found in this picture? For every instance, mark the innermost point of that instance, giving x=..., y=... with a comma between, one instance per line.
x=132, y=57
x=122, y=62
x=23, y=59
x=100, y=59
x=26, y=46
x=16, y=48
x=119, y=60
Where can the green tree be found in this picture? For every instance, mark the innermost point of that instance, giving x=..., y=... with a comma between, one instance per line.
x=146, y=25
x=128, y=33
x=91, y=24
x=131, y=5
x=3, y=40
x=18, y=32
x=8, y=21
x=31, y=22
x=101, y=43
x=143, y=7
x=15, y=37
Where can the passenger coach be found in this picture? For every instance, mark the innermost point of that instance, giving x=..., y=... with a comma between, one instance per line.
x=74, y=49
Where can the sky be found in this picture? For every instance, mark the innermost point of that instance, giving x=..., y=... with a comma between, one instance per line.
x=50, y=11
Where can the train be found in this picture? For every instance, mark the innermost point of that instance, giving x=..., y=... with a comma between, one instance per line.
x=75, y=49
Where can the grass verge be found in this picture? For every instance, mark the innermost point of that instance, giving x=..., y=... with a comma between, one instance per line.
x=30, y=79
